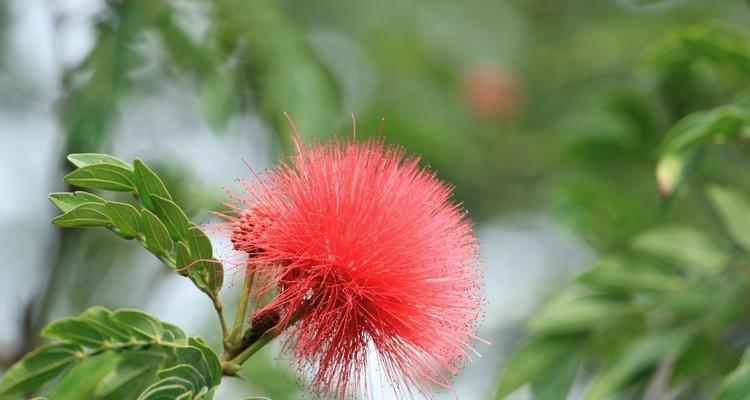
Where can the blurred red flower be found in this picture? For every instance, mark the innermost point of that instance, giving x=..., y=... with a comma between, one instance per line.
x=491, y=91
x=364, y=250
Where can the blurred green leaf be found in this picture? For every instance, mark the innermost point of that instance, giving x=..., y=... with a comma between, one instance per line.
x=673, y=170
x=216, y=87
x=684, y=244
x=736, y=386
x=643, y=354
x=66, y=201
x=155, y=233
x=715, y=41
x=125, y=217
x=81, y=381
x=689, y=134
x=577, y=313
x=102, y=176
x=148, y=184
x=175, y=220
x=38, y=367
x=699, y=355
x=532, y=359
x=86, y=159
x=719, y=125
x=556, y=381
x=86, y=214
x=217, y=99
x=615, y=274
x=280, y=64
x=734, y=211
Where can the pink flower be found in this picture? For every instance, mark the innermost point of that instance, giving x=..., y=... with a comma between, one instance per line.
x=363, y=250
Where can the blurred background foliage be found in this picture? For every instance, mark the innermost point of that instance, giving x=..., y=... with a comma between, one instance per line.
x=598, y=145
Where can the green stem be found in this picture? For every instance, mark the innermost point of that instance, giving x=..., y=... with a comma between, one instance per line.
x=239, y=318
x=233, y=365
x=219, y=306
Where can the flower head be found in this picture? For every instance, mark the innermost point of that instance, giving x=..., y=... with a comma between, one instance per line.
x=363, y=250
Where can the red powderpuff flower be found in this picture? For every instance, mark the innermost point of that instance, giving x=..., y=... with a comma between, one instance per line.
x=364, y=250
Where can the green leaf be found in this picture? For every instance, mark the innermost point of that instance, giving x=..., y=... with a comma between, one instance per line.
x=184, y=371
x=217, y=94
x=75, y=331
x=102, y=176
x=81, y=381
x=173, y=333
x=684, y=244
x=100, y=318
x=167, y=389
x=86, y=214
x=531, y=360
x=210, y=393
x=673, y=170
x=734, y=211
x=682, y=143
x=125, y=217
x=700, y=355
x=148, y=184
x=139, y=324
x=717, y=125
x=212, y=360
x=641, y=355
x=155, y=234
x=131, y=377
x=615, y=274
x=206, y=272
x=556, y=381
x=38, y=367
x=85, y=159
x=289, y=76
x=715, y=41
x=735, y=386
x=183, y=259
x=577, y=313
x=67, y=201
x=172, y=216
x=194, y=356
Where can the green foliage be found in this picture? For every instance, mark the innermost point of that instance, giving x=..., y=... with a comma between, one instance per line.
x=131, y=354
x=736, y=385
x=159, y=224
x=102, y=176
x=533, y=359
x=734, y=211
x=39, y=367
x=689, y=138
x=672, y=296
x=116, y=355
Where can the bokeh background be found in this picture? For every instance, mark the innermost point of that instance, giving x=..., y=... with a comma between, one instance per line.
x=540, y=112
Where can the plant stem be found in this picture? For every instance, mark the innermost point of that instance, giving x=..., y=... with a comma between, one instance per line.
x=219, y=306
x=234, y=364
x=239, y=318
